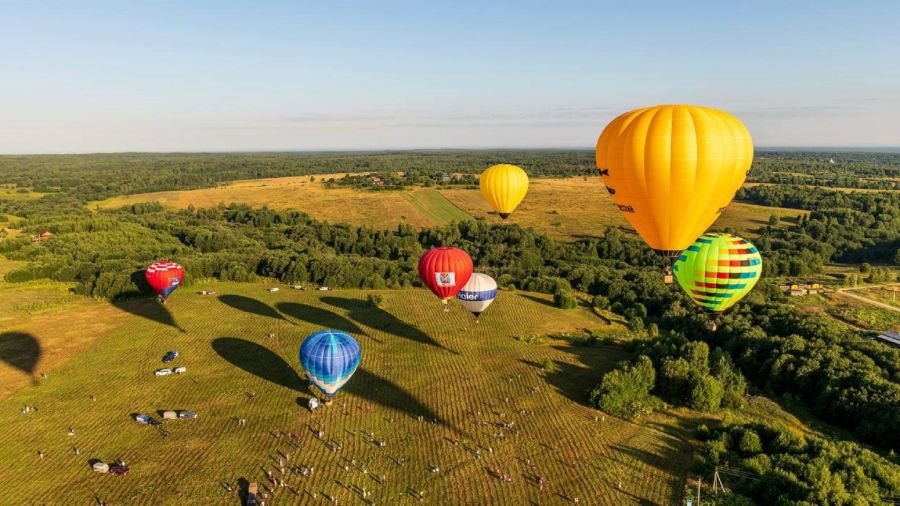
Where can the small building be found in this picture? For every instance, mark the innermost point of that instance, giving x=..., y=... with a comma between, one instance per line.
x=42, y=236
x=890, y=338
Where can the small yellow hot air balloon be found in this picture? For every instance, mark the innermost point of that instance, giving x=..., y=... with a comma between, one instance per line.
x=672, y=170
x=504, y=186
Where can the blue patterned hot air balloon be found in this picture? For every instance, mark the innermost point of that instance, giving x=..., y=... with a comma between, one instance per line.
x=329, y=357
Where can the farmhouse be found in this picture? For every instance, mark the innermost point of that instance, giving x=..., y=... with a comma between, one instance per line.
x=796, y=289
x=890, y=338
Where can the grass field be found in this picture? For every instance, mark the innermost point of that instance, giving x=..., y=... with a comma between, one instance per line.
x=463, y=380
x=562, y=208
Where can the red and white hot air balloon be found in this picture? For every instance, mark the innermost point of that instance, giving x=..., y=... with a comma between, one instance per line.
x=164, y=277
x=445, y=271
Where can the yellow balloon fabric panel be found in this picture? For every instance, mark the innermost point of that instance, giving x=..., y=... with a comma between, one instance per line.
x=504, y=186
x=672, y=169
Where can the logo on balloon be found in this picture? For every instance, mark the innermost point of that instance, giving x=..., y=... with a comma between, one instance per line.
x=445, y=279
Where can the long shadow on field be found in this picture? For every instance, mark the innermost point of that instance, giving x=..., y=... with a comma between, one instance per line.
x=249, y=305
x=318, y=316
x=380, y=319
x=539, y=300
x=149, y=309
x=20, y=350
x=672, y=456
x=383, y=392
x=257, y=360
x=576, y=380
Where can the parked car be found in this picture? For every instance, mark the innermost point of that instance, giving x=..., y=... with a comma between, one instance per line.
x=163, y=372
x=187, y=415
x=172, y=355
x=274, y=289
x=324, y=288
x=298, y=287
x=156, y=422
x=118, y=469
x=169, y=415
x=180, y=370
x=100, y=467
x=144, y=419
x=252, y=490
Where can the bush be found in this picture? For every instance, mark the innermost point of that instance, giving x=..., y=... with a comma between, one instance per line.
x=625, y=391
x=600, y=301
x=565, y=300
x=374, y=300
x=548, y=365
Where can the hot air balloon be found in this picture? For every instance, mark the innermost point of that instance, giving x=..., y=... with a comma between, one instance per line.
x=164, y=277
x=717, y=271
x=445, y=271
x=672, y=170
x=478, y=294
x=329, y=358
x=504, y=186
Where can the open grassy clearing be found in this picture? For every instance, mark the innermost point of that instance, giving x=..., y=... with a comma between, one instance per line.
x=884, y=294
x=418, y=361
x=435, y=207
x=854, y=313
x=561, y=208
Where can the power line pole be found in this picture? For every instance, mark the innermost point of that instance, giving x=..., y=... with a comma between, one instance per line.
x=699, y=480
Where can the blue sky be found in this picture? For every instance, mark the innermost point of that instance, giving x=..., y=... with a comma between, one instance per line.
x=189, y=76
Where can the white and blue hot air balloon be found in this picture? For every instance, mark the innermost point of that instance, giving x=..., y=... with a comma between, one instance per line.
x=478, y=293
x=329, y=358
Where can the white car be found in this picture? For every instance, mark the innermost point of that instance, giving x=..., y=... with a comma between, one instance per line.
x=180, y=369
x=163, y=372
x=324, y=288
x=274, y=289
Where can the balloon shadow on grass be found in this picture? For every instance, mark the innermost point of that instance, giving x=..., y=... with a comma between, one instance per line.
x=20, y=350
x=319, y=317
x=149, y=309
x=250, y=305
x=378, y=318
x=385, y=393
x=258, y=361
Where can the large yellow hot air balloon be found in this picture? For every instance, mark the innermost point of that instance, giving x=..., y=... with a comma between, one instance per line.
x=672, y=169
x=504, y=186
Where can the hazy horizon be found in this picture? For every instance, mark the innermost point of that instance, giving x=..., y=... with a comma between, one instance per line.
x=104, y=77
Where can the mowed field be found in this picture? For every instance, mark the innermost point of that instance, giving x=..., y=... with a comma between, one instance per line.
x=435, y=387
x=419, y=208
x=562, y=208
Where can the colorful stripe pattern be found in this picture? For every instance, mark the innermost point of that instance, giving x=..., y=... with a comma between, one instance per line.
x=718, y=270
x=329, y=357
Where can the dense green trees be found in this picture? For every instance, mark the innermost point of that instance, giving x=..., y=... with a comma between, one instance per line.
x=625, y=391
x=770, y=465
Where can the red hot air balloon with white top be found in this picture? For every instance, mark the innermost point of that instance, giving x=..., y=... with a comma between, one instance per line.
x=164, y=277
x=445, y=271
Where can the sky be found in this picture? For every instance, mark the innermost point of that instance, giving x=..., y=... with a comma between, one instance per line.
x=92, y=76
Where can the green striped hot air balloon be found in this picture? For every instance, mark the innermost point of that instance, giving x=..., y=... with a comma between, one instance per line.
x=718, y=270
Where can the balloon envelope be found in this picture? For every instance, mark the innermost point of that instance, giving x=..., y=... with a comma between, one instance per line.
x=672, y=170
x=445, y=270
x=504, y=186
x=164, y=277
x=718, y=270
x=329, y=358
x=478, y=293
